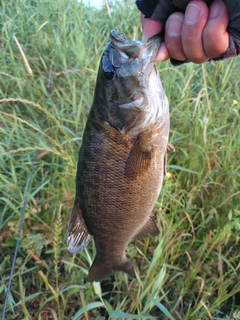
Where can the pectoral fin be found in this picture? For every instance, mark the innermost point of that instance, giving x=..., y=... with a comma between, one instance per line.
x=150, y=229
x=78, y=235
x=170, y=148
x=140, y=156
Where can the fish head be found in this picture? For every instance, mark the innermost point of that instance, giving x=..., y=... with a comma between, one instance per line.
x=130, y=58
x=127, y=75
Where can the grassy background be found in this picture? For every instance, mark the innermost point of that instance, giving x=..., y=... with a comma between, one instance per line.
x=191, y=271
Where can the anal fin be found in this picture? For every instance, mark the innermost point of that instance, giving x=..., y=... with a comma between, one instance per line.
x=78, y=235
x=150, y=229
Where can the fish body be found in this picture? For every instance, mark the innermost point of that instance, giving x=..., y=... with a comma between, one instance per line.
x=121, y=161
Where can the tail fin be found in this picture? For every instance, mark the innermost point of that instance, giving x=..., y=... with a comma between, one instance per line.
x=99, y=271
x=102, y=270
x=126, y=267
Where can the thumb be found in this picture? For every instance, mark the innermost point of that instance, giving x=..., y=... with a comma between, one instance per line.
x=150, y=27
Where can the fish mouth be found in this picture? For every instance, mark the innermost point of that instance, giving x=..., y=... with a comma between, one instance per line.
x=123, y=44
x=133, y=49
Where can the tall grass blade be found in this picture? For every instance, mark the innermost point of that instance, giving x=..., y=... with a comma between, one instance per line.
x=90, y=306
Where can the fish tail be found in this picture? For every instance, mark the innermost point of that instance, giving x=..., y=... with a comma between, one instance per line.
x=126, y=267
x=102, y=270
x=99, y=271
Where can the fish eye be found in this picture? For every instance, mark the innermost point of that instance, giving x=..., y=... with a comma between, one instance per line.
x=109, y=71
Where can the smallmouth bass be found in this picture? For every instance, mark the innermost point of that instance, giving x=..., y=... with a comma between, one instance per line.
x=122, y=159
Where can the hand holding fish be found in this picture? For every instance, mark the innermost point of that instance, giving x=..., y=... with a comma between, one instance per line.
x=198, y=33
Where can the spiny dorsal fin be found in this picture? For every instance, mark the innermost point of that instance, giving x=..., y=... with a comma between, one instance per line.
x=140, y=156
x=78, y=235
x=150, y=229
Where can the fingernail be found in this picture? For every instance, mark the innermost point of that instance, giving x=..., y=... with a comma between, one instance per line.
x=215, y=10
x=174, y=25
x=192, y=13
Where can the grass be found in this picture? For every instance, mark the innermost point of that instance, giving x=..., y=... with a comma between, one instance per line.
x=191, y=271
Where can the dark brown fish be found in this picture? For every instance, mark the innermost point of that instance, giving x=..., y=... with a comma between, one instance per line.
x=122, y=158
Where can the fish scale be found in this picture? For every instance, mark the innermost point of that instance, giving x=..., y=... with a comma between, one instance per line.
x=122, y=158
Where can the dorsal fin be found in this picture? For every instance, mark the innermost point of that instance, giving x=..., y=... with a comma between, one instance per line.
x=140, y=156
x=78, y=235
x=150, y=229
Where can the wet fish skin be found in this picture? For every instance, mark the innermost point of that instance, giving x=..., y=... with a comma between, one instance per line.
x=122, y=158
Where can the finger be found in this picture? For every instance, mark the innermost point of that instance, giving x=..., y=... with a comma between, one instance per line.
x=162, y=54
x=215, y=36
x=173, y=36
x=150, y=27
x=195, y=20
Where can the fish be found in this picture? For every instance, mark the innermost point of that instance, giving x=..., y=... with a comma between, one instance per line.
x=122, y=159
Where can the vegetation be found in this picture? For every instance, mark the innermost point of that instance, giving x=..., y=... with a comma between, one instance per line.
x=49, y=55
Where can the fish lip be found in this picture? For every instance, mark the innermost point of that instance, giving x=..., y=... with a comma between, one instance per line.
x=151, y=46
x=159, y=37
x=129, y=47
x=116, y=35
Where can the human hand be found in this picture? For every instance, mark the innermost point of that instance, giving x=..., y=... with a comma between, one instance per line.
x=197, y=35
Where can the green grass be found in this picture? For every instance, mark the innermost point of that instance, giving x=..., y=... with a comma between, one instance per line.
x=191, y=271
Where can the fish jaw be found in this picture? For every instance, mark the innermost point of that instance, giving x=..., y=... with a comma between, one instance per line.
x=145, y=49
